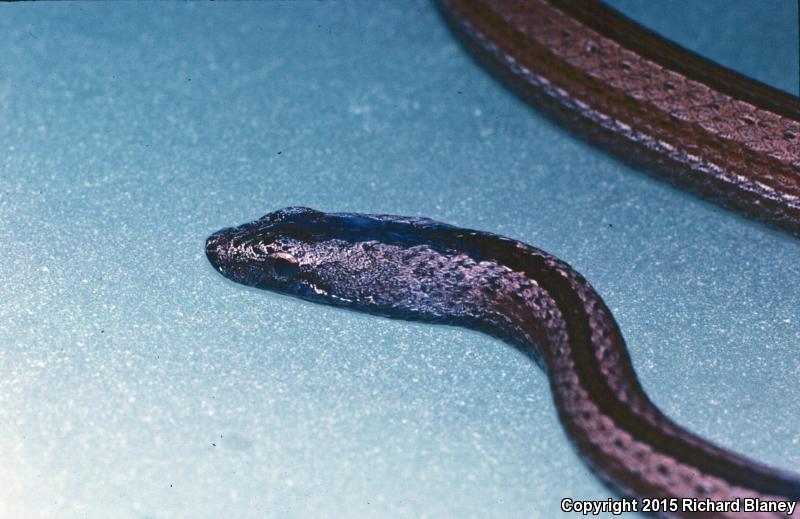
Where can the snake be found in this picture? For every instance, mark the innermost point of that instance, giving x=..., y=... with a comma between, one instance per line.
x=683, y=118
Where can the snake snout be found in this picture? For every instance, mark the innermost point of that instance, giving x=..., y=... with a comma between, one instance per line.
x=213, y=248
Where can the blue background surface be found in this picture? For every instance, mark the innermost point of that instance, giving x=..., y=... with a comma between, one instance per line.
x=135, y=382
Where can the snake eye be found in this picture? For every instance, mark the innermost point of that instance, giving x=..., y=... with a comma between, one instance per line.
x=284, y=266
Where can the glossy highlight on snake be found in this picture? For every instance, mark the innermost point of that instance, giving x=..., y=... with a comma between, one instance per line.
x=690, y=121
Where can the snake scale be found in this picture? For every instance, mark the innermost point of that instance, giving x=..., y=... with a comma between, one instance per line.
x=626, y=89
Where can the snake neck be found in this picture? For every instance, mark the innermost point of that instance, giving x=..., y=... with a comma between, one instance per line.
x=548, y=310
x=623, y=436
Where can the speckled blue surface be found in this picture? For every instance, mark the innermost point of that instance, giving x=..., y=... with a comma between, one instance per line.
x=135, y=382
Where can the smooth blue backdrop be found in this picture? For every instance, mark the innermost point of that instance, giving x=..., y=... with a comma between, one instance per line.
x=135, y=382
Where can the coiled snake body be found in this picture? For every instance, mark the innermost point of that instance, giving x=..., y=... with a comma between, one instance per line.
x=415, y=268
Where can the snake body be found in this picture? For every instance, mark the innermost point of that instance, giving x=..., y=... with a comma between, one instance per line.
x=415, y=268
x=703, y=127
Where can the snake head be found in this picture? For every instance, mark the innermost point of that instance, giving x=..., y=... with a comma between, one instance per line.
x=374, y=263
x=273, y=252
x=300, y=252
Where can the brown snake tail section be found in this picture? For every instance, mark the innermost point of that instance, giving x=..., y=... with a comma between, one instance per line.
x=706, y=128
